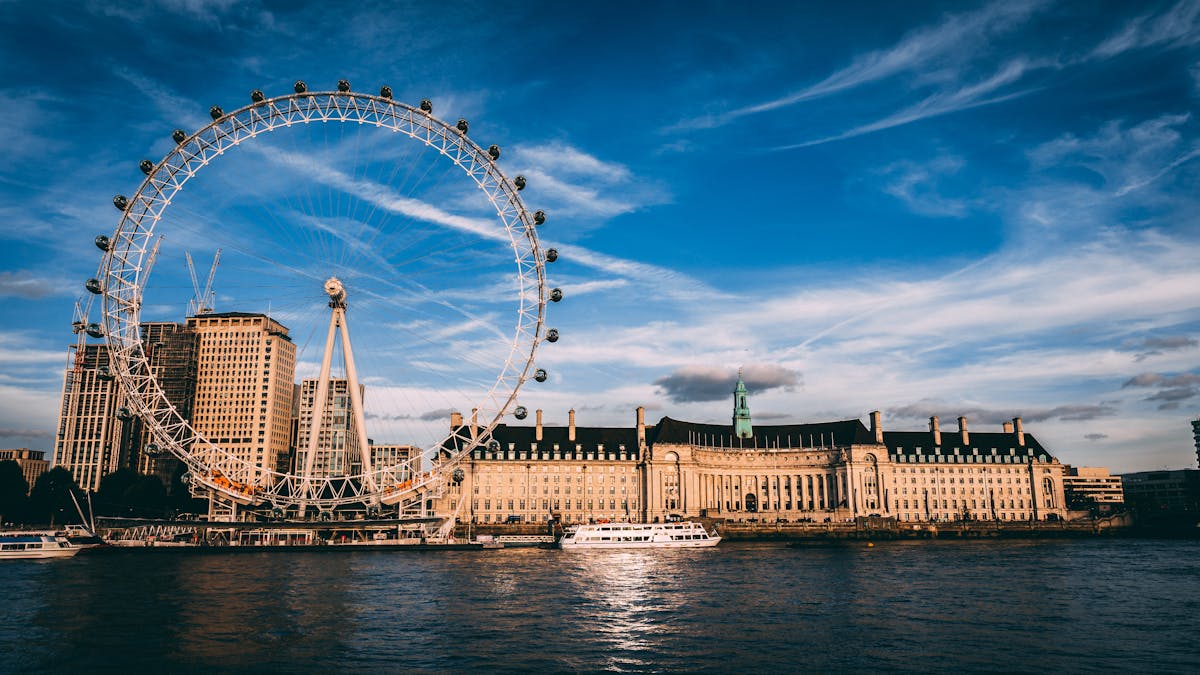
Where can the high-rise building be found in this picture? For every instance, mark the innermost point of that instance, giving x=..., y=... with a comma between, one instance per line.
x=338, y=450
x=1196, y=438
x=246, y=365
x=171, y=352
x=91, y=441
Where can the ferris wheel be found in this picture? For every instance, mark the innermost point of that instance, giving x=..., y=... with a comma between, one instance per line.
x=347, y=208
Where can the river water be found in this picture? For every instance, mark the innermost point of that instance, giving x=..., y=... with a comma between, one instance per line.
x=1072, y=605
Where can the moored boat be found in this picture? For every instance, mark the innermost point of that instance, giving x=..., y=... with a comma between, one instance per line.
x=34, y=545
x=638, y=535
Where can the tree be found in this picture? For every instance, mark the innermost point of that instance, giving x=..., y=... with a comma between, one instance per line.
x=50, y=501
x=110, y=498
x=14, y=492
x=146, y=497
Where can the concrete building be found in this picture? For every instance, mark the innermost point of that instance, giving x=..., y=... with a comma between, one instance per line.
x=823, y=471
x=33, y=463
x=338, y=451
x=245, y=372
x=171, y=351
x=1196, y=438
x=1092, y=488
x=91, y=440
x=1151, y=492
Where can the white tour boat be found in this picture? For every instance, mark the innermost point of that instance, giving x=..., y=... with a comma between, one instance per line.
x=638, y=535
x=34, y=545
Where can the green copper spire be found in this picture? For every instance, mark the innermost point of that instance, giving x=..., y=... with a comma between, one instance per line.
x=741, y=410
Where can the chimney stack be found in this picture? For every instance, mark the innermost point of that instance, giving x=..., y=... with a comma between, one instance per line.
x=1008, y=427
x=1017, y=427
x=474, y=422
x=455, y=420
x=571, y=425
x=962, y=430
x=538, y=434
x=641, y=426
x=877, y=427
x=935, y=430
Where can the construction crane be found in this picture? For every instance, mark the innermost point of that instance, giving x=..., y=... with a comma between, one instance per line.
x=205, y=299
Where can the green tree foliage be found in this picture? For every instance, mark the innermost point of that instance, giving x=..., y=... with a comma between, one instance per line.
x=50, y=501
x=14, y=489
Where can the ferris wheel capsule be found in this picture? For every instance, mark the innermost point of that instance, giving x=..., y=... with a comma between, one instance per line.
x=178, y=136
x=185, y=478
x=555, y=295
x=103, y=243
x=121, y=202
x=385, y=91
x=95, y=330
x=519, y=181
x=215, y=112
x=494, y=152
x=458, y=475
x=94, y=286
x=300, y=87
x=540, y=375
x=551, y=254
x=152, y=450
x=124, y=414
x=146, y=166
x=343, y=86
x=494, y=445
x=257, y=96
x=426, y=105
x=539, y=217
x=552, y=335
x=462, y=126
x=104, y=373
x=520, y=412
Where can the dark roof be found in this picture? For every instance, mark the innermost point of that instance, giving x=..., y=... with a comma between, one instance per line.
x=819, y=434
x=982, y=443
x=588, y=440
x=229, y=315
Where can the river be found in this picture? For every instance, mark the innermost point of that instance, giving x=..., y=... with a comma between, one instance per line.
x=926, y=606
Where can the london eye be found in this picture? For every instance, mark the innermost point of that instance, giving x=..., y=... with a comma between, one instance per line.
x=336, y=214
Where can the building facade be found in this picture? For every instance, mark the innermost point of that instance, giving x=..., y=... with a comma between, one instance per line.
x=33, y=463
x=245, y=370
x=171, y=353
x=821, y=472
x=91, y=440
x=1092, y=488
x=338, y=452
x=1152, y=492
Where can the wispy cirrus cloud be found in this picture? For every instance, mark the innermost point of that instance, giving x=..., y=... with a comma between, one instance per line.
x=1178, y=25
x=985, y=92
x=931, y=48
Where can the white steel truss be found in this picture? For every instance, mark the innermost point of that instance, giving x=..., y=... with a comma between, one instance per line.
x=125, y=269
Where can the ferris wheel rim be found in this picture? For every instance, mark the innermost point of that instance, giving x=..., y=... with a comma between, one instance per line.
x=123, y=288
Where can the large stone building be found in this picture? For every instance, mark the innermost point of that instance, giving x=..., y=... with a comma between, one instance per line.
x=245, y=376
x=823, y=471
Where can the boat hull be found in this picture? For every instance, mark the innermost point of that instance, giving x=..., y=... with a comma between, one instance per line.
x=638, y=535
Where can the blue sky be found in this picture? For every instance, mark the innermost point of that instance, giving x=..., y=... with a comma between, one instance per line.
x=986, y=209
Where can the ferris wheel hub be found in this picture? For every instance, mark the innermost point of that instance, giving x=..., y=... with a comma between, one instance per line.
x=336, y=292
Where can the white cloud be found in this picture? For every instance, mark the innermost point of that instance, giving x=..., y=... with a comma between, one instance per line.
x=938, y=47
x=1177, y=26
